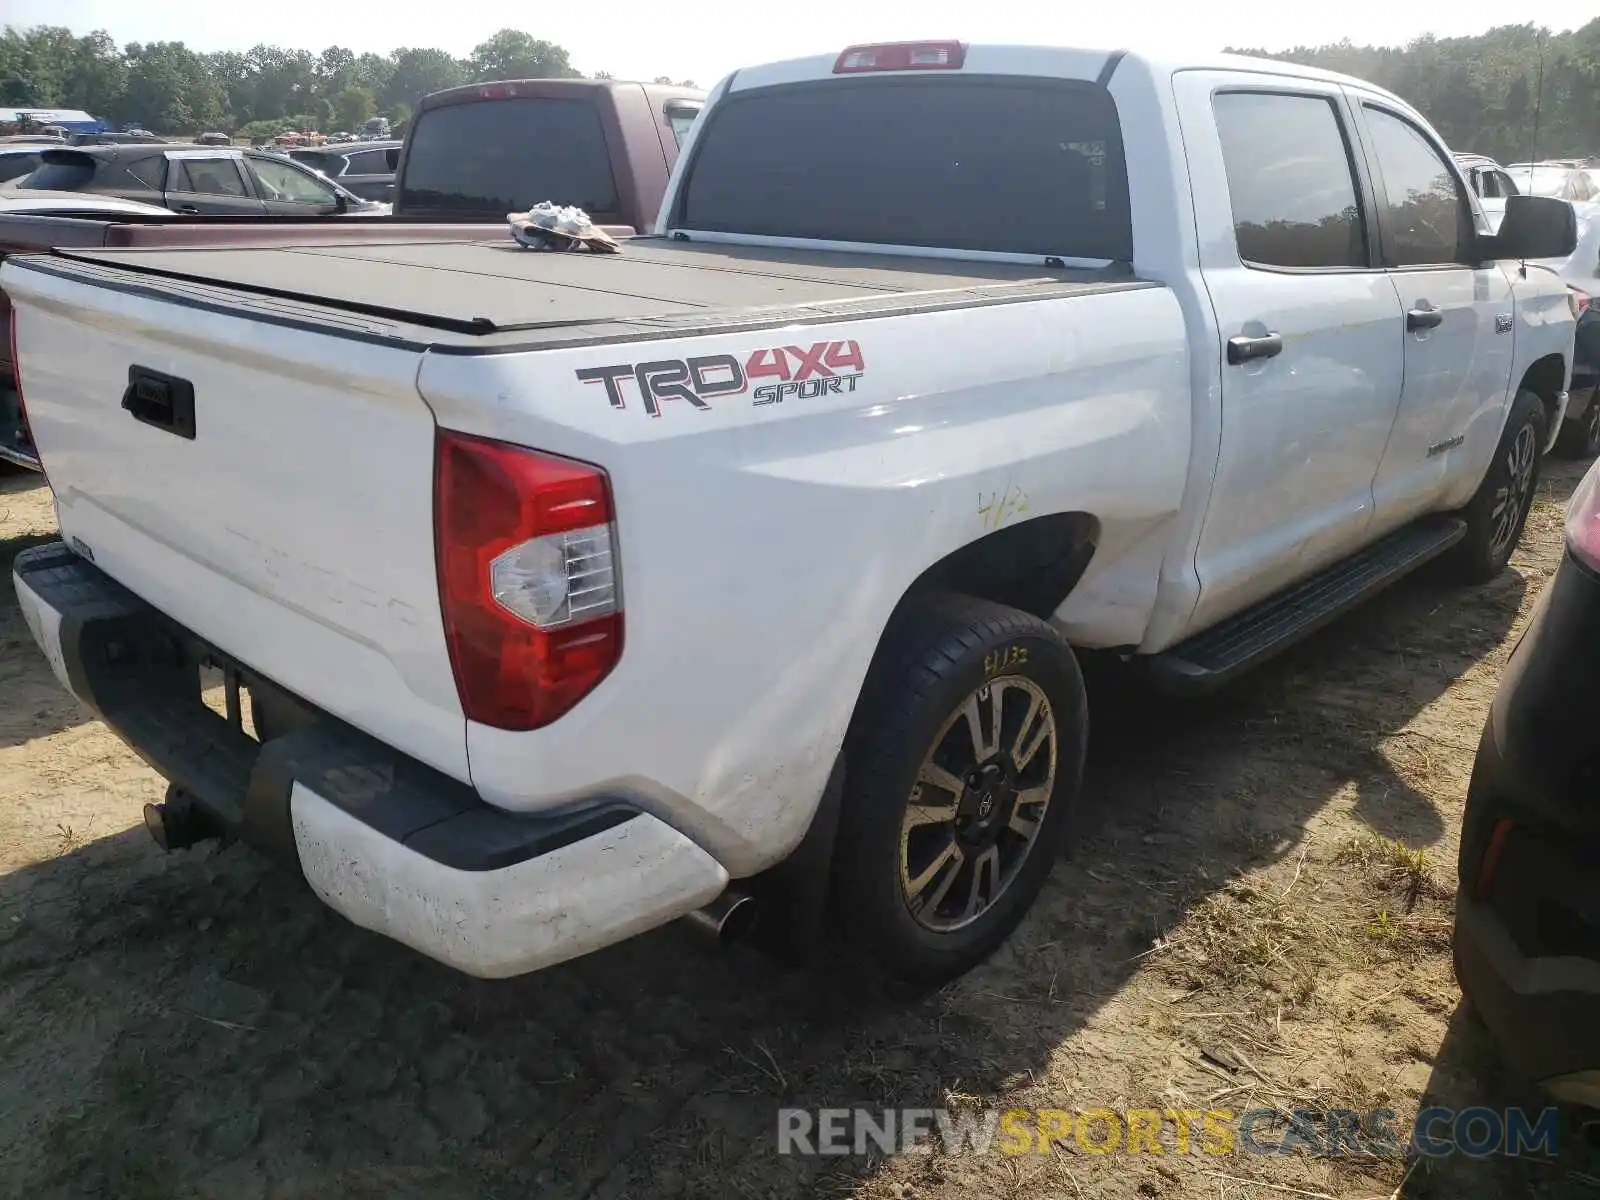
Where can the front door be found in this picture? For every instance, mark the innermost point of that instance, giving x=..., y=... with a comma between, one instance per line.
x=1310, y=329
x=288, y=189
x=198, y=183
x=1458, y=320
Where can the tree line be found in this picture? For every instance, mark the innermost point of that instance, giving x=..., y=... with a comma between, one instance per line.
x=1513, y=93
x=1483, y=93
x=168, y=88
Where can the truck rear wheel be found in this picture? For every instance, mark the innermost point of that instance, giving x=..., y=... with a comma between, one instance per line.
x=1497, y=512
x=963, y=766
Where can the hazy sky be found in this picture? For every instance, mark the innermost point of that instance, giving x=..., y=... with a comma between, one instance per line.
x=704, y=39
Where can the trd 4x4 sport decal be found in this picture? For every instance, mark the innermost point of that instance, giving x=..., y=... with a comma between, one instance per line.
x=823, y=368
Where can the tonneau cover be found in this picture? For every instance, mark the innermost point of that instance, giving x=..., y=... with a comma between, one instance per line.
x=494, y=286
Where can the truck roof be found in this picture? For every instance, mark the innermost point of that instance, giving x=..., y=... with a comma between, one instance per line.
x=1058, y=62
x=473, y=292
x=500, y=89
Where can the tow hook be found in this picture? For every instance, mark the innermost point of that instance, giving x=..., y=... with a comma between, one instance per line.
x=177, y=822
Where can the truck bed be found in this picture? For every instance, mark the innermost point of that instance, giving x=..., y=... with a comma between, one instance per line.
x=475, y=292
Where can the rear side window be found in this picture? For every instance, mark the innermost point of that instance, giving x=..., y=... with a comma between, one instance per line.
x=1290, y=181
x=970, y=163
x=369, y=162
x=152, y=171
x=208, y=177
x=67, y=174
x=504, y=156
x=328, y=164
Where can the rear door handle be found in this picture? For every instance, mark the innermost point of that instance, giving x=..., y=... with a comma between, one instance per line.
x=187, y=208
x=1424, y=317
x=1247, y=349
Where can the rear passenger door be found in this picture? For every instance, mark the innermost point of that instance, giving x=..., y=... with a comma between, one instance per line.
x=1458, y=321
x=208, y=183
x=1310, y=331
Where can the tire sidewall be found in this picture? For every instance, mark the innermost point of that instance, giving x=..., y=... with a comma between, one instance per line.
x=910, y=948
x=1479, y=558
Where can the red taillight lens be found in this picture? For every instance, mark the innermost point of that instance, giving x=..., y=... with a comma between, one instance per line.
x=1491, y=858
x=901, y=56
x=527, y=579
x=1578, y=301
x=1583, y=516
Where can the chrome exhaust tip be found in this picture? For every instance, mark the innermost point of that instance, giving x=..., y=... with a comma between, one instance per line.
x=728, y=918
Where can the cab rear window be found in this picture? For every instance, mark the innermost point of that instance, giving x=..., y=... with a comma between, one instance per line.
x=969, y=163
x=500, y=156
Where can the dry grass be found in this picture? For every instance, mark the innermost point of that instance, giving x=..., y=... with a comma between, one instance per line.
x=1256, y=914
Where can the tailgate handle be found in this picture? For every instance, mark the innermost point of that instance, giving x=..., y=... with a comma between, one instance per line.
x=161, y=400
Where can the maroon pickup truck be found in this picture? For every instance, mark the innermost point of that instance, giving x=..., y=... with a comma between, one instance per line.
x=475, y=153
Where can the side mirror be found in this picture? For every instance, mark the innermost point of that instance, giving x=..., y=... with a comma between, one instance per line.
x=392, y=157
x=1535, y=227
x=341, y=201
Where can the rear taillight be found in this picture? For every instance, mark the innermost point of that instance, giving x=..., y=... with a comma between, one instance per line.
x=1578, y=301
x=1490, y=863
x=901, y=56
x=528, y=579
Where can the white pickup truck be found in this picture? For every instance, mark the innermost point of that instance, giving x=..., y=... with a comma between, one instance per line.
x=556, y=596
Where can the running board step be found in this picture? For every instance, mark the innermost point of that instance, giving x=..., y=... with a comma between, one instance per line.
x=1212, y=658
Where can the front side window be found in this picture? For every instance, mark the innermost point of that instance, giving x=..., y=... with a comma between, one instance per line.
x=1424, y=209
x=208, y=177
x=283, y=182
x=1290, y=181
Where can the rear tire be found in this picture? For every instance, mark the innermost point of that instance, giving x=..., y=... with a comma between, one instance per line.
x=947, y=831
x=1498, y=511
x=1580, y=437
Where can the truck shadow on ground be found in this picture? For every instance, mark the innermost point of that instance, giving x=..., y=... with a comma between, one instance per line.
x=199, y=1023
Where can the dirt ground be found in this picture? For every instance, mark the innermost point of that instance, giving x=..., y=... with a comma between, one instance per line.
x=1257, y=915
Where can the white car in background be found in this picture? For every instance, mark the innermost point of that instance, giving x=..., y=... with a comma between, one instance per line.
x=15, y=202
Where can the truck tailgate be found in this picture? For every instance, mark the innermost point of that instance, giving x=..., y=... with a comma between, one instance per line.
x=290, y=523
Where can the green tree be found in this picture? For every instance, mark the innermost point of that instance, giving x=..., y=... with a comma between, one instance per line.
x=353, y=107
x=419, y=71
x=512, y=54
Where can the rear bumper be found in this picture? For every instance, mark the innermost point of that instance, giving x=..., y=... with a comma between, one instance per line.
x=1527, y=935
x=387, y=841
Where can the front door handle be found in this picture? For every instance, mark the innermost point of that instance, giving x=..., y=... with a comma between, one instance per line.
x=1424, y=317
x=1247, y=349
x=187, y=208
